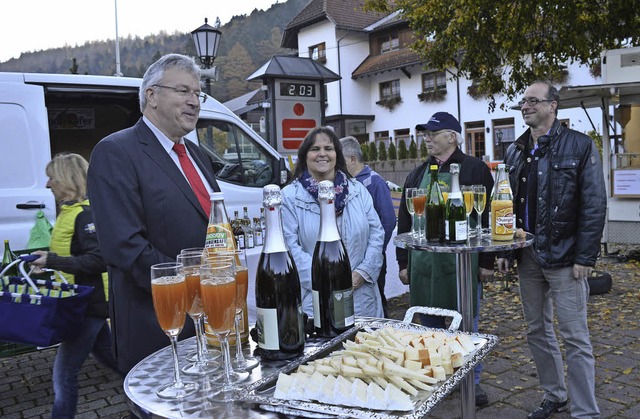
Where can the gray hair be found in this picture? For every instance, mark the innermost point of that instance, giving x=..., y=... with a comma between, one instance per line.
x=459, y=138
x=155, y=72
x=351, y=147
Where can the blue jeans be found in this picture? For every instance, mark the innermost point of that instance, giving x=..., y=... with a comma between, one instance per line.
x=95, y=338
x=438, y=322
x=542, y=290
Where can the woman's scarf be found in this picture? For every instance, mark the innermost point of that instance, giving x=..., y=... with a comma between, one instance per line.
x=340, y=183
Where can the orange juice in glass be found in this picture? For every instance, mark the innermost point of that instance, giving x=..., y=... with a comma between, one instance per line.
x=219, y=296
x=240, y=362
x=169, y=295
x=419, y=201
x=170, y=302
x=201, y=363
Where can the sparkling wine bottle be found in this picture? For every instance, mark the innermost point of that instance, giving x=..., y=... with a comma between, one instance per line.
x=456, y=220
x=279, y=320
x=331, y=285
x=434, y=208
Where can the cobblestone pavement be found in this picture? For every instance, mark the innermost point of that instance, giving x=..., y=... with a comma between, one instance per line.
x=509, y=376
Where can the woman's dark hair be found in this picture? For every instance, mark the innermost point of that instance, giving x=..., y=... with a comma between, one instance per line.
x=307, y=143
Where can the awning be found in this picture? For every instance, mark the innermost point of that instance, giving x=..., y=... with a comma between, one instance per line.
x=591, y=96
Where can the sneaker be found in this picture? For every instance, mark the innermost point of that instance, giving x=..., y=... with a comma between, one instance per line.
x=547, y=408
x=481, y=396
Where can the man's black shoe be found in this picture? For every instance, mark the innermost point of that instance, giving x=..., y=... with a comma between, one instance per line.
x=546, y=409
x=481, y=396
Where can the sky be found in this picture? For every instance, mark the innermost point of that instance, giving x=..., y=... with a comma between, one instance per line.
x=33, y=25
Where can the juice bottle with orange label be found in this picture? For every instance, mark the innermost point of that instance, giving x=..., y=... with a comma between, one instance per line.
x=219, y=238
x=503, y=219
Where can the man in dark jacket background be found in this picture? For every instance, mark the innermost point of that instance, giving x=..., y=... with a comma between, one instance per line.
x=559, y=196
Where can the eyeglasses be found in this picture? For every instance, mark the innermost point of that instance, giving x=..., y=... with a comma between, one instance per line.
x=533, y=101
x=184, y=92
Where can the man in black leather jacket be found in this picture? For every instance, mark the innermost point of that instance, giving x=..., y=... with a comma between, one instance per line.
x=559, y=196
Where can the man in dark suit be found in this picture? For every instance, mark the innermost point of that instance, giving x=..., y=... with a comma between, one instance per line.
x=147, y=204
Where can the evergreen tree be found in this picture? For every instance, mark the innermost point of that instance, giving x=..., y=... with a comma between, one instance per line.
x=365, y=152
x=373, y=151
x=402, y=150
x=423, y=150
x=413, y=149
x=382, y=151
x=393, y=155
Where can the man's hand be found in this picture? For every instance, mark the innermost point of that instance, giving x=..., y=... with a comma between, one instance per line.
x=581, y=271
x=356, y=280
x=485, y=274
x=503, y=265
x=404, y=276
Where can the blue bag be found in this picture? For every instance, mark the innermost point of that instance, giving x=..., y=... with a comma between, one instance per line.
x=41, y=315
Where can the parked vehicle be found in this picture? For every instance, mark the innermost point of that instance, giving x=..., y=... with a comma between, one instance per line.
x=45, y=114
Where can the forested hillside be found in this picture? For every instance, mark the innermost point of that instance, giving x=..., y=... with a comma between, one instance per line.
x=248, y=41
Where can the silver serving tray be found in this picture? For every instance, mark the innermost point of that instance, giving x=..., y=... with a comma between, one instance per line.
x=261, y=391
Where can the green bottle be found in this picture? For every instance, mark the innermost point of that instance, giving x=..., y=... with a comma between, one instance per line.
x=8, y=257
x=456, y=221
x=434, y=208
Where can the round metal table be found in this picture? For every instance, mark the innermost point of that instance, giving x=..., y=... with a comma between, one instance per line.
x=464, y=280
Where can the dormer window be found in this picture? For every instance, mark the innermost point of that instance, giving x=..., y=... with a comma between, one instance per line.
x=318, y=53
x=389, y=43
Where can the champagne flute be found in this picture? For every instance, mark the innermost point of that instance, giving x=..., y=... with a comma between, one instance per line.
x=467, y=193
x=208, y=354
x=479, y=203
x=218, y=286
x=191, y=262
x=408, y=199
x=419, y=198
x=169, y=293
x=240, y=363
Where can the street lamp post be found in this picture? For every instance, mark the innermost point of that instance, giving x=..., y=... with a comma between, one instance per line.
x=207, y=39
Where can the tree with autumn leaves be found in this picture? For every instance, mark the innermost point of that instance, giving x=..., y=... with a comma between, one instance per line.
x=503, y=46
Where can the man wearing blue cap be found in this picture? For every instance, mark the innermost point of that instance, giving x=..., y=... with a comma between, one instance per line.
x=432, y=276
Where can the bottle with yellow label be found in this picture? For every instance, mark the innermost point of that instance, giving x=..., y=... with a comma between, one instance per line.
x=503, y=219
x=220, y=238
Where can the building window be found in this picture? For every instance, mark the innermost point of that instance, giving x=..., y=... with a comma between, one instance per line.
x=389, y=43
x=434, y=81
x=475, y=139
x=434, y=87
x=318, y=53
x=389, y=94
x=504, y=134
x=390, y=89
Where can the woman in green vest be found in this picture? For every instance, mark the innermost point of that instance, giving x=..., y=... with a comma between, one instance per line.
x=74, y=251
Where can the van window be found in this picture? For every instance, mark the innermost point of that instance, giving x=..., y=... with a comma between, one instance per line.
x=236, y=157
x=17, y=169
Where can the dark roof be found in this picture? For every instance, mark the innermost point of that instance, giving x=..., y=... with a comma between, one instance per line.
x=294, y=68
x=393, y=60
x=345, y=14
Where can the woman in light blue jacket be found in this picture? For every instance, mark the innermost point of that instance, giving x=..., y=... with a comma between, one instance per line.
x=320, y=158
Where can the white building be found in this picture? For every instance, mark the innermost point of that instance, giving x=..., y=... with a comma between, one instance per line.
x=383, y=81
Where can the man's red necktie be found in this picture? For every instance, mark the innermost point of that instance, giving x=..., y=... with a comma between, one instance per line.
x=193, y=177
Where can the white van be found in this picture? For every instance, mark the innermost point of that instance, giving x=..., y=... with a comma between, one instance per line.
x=45, y=114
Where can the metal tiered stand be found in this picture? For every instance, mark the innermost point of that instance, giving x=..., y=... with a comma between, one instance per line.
x=463, y=254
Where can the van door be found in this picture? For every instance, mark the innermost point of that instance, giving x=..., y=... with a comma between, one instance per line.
x=24, y=141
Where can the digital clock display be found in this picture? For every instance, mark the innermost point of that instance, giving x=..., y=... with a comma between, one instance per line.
x=298, y=89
